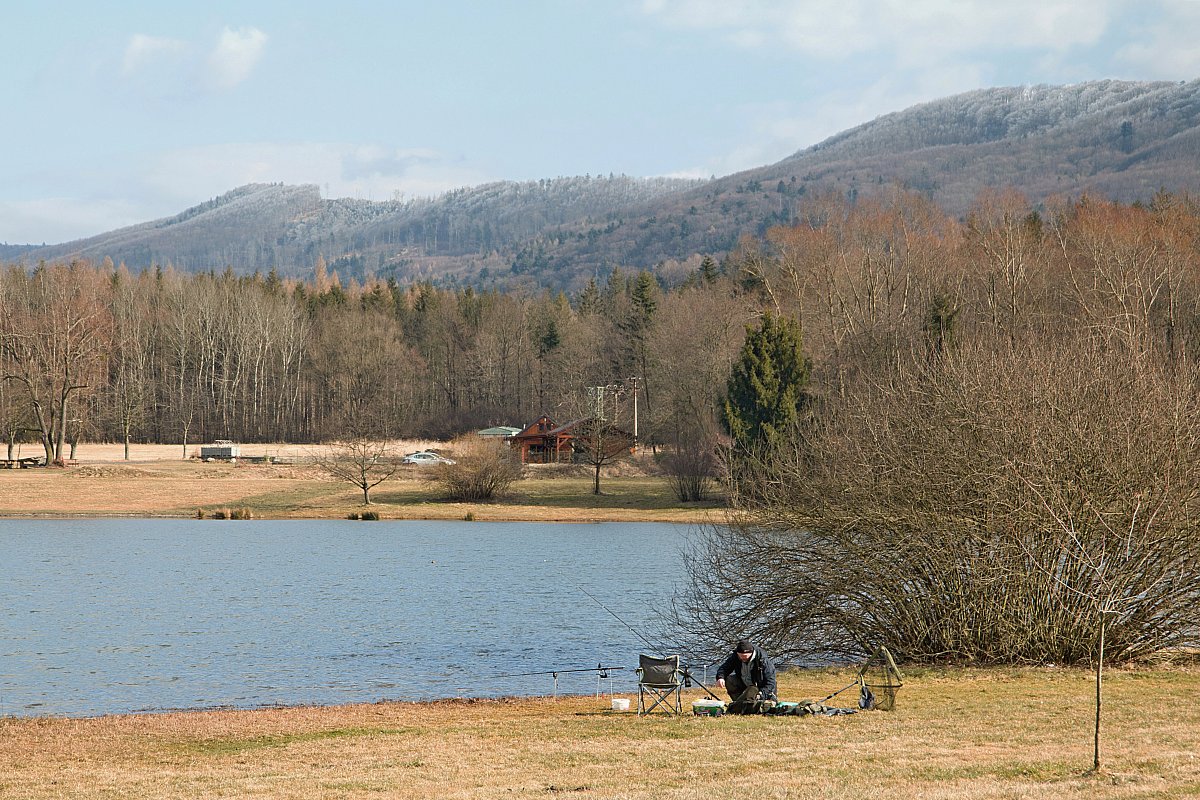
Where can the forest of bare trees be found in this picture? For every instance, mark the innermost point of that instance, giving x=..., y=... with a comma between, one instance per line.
x=95, y=352
x=1003, y=457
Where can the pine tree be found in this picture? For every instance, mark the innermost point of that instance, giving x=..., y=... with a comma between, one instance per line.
x=645, y=297
x=589, y=298
x=766, y=393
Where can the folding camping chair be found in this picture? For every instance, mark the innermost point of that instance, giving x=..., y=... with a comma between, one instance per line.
x=661, y=680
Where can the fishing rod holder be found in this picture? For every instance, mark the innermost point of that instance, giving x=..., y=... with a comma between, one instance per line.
x=602, y=671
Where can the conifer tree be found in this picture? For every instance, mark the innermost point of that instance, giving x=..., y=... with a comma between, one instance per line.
x=589, y=298
x=767, y=390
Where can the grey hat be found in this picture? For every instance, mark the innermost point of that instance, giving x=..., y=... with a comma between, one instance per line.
x=743, y=646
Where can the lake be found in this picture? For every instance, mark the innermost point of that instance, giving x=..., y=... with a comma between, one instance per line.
x=117, y=616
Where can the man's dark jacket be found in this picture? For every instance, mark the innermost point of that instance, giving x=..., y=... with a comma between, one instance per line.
x=762, y=671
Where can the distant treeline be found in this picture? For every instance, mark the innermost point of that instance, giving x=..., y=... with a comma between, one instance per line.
x=96, y=353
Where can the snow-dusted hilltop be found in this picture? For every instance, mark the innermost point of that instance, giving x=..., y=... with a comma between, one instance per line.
x=1123, y=140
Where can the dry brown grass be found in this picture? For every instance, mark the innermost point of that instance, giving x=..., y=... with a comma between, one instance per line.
x=158, y=482
x=972, y=734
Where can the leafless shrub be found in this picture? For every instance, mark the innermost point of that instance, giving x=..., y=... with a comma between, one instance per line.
x=363, y=462
x=691, y=464
x=483, y=469
x=988, y=507
x=690, y=470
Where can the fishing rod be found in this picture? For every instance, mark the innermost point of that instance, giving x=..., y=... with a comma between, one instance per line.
x=597, y=668
x=857, y=681
x=687, y=673
x=600, y=669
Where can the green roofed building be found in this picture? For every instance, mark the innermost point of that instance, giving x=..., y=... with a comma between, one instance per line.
x=499, y=430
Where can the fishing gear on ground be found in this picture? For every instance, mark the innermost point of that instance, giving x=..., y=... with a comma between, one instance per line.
x=602, y=671
x=688, y=676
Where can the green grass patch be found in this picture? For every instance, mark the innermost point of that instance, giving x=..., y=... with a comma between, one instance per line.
x=290, y=497
x=1036, y=771
x=225, y=747
x=642, y=492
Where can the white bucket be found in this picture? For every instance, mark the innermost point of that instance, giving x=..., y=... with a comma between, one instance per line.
x=620, y=703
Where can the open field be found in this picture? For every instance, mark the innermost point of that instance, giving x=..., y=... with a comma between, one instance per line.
x=955, y=734
x=157, y=481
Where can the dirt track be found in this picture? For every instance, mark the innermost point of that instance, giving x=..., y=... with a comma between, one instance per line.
x=157, y=481
x=88, y=453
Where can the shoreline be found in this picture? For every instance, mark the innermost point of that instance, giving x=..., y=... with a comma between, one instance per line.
x=151, y=713
x=834, y=675
x=511, y=513
x=177, y=489
x=953, y=734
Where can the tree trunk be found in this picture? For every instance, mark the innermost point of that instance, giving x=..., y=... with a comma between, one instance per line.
x=60, y=436
x=596, y=480
x=48, y=444
x=366, y=495
x=1099, y=679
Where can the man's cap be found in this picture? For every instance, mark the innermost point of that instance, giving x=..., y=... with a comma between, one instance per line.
x=743, y=646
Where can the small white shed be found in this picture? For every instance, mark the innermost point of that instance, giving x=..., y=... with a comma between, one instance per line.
x=221, y=450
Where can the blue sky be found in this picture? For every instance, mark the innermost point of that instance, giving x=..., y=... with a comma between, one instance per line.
x=119, y=113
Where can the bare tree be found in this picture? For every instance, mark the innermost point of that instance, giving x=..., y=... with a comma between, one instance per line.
x=365, y=463
x=691, y=462
x=130, y=355
x=987, y=508
x=598, y=443
x=483, y=469
x=55, y=331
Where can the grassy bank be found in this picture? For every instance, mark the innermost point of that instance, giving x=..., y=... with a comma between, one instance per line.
x=174, y=487
x=955, y=734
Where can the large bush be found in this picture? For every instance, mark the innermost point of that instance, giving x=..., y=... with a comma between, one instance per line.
x=483, y=470
x=984, y=507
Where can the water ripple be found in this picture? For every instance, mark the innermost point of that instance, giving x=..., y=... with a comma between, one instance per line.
x=114, y=616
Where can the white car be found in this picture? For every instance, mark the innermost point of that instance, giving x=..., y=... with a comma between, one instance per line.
x=425, y=457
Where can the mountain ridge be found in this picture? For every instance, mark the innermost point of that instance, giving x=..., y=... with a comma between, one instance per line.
x=1123, y=139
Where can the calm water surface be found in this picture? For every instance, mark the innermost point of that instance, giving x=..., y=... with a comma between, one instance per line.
x=114, y=616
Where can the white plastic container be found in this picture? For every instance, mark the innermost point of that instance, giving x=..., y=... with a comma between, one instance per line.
x=620, y=703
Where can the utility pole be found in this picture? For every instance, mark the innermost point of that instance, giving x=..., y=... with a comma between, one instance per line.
x=598, y=395
x=633, y=387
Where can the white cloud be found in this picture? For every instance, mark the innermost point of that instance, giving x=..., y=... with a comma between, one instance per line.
x=177, y=179
x=171, y=181
x=159, y=66
x=1167, y=48
x=905, y=28
x=864, y=58
x=777, y=130
x=52, y=220
x=341, y=170
x=146, y=52
x=235, y=55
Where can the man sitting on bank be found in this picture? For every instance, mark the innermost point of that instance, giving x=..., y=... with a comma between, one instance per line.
x=749, y=677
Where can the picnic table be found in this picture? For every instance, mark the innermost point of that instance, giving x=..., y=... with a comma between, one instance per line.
x=19, y=463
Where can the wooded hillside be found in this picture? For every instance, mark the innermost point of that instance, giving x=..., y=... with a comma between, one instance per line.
x=1121, y=140
x=161, y=355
